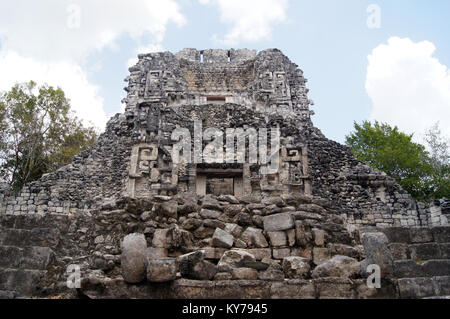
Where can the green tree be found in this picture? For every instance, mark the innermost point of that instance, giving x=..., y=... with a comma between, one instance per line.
x=39, y=133
x=439, y=181
x=393, y=152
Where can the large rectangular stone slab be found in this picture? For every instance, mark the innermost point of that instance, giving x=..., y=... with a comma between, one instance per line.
x=10, y=257
x=25, y=282
x=334, y=288
x=407, y=269
x=420, y=235
x=279, y=222
x=425, y=251
x=441, y=234
x=399, y=251
x=413, y=288
x=38, y=258
x=442, y=284
x=437, y=267
x=258, y=253
x=293, y=289
x=397, y=234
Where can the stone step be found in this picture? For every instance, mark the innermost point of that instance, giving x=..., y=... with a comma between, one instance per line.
x=25, y=282
x=422, y=287
x=29, y=222
x=42, y=237
x=428, y=251
x=440, y=234
x=6, y=294
x=33, y=257
x=410, y=268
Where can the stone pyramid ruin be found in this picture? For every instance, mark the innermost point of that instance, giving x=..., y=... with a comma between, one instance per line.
x=163, y=207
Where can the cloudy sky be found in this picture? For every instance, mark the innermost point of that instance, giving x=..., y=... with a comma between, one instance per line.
x=385, y=60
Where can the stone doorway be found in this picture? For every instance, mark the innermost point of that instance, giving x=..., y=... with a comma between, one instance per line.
x=220, y=182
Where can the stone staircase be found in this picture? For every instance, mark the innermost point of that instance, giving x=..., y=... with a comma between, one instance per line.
x=27, y=247
x=421, y=261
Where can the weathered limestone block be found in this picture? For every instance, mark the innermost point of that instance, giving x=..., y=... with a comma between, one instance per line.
x=278, y=222
x=304, y=238
x=296, y=267
x=445, y=250
x=234, y=259
x=278, y=201
x=193, y=266
x=397, y=234
x=228, y=198
x=37, y=258
x=25, y=282
x=10, y=257
x=277, y=239
x=161, y=270
x=244, y=274
x=232, y=210
x=133, y=259
x=291, y=237
x=377, y=252
x=271, y=275
x=321, y=255
x=234, y=230
x=214, y=253
x=407, y=269
x=436, y=267
x=319, y=236
x=399, y=251
x=239, y=243
x=413, y=288
x=191, y=224
x=338, y=266
x=169, y=209
x=254, y=238
x=293, y=289
x=211, y=204
x=258, y=253
x=345, y=250
x=420, y=235
x=441, y=234
x=281, y=253
x=210, y=214
x=213, y=223
x=161, y=239
x=156, y=253
x=425, y=251
x=334, y=288
x=222, y=239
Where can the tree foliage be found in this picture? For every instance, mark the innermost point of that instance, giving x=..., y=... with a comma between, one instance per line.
x=38, y=133
x=439, y=183
x=393, y=152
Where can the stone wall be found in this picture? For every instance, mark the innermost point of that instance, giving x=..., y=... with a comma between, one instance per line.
x=321, y=196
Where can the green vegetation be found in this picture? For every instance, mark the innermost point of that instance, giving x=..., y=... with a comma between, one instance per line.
x=38, y=133
x=424, y=174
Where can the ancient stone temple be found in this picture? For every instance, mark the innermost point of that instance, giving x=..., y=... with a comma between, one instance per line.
x=214, y=183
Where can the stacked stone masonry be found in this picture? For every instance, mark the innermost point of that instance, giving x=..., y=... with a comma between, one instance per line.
x=211, y=227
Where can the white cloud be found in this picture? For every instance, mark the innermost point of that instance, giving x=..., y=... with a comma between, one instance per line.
x=85, y=99
x=250, y=20
x=409, y=87
x=58, y=29
x=48, y=41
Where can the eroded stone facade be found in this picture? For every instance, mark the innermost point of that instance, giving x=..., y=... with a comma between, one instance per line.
x=314, y=207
